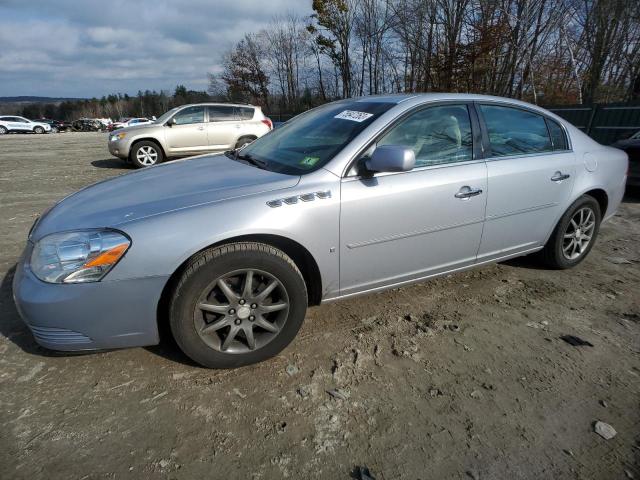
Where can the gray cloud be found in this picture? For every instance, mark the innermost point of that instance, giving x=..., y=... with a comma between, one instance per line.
x=91, y=48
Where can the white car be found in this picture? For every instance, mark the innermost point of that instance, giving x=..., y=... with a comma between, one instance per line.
x=21, y=124
x=129, y=122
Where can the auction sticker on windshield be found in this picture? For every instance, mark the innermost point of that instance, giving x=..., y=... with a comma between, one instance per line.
x=354, y=115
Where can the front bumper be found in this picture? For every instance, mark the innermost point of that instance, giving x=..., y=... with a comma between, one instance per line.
x=119, y=149
x=90, y=316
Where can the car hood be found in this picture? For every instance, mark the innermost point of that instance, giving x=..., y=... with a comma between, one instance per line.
x=156, y=190
x=135, y=128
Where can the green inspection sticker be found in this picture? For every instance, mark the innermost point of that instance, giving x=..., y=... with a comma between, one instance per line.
x=309, y=161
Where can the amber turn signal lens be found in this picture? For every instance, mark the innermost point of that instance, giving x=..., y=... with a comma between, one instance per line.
x=109, y=257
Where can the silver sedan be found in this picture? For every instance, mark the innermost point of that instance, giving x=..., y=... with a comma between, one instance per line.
x=353, y=197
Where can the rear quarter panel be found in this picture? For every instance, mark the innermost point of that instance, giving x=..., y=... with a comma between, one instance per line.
x=599, y=167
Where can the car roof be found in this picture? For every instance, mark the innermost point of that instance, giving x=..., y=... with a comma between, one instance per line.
x=403, y=97
x=218, y=104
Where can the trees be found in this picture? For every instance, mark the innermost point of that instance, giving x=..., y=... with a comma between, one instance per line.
x=243, y=73
x=545, y=51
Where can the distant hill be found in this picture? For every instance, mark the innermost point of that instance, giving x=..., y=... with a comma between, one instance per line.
x=33, y=99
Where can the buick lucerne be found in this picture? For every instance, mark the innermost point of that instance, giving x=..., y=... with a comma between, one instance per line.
x=352, y=197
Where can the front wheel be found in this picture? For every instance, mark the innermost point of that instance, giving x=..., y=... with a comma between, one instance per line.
x=237, y=304
x=146, y=154
x=38, y=130
x=575, y=234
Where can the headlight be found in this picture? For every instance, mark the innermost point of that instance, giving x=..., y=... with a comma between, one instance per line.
x=77, y=257
x=118, y=136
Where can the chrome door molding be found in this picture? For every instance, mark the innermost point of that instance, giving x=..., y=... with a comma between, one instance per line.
x=400, y=236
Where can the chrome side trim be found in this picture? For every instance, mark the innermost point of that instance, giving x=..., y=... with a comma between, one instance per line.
x=400, y=236
x=524, y=210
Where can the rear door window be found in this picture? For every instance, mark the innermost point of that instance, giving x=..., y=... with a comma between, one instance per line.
x=513, y=131
x=221, y=113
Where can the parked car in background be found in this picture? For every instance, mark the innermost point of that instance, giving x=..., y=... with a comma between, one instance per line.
x=352, y=197
x=190, y=130
x=88, y=125
x=56, y=125
x=631, y=145
x=22, y=125
x=129, y=122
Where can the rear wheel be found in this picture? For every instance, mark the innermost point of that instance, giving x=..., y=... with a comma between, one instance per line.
x=38, y=130
x=146, y=154
x=244, y=141
x=3, y=130
x=575, y=234
x=237, y=304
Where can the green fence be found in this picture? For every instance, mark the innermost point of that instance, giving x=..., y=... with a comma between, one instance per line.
x=604, y=123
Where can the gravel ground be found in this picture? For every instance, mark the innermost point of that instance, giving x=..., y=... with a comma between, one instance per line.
x=461, y=377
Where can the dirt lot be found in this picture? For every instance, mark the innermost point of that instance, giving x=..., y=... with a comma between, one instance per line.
x=462, y=377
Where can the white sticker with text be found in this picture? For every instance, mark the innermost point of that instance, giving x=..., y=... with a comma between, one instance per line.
x=354, y=116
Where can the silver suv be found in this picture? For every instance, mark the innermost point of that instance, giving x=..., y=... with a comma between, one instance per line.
x=190, y=130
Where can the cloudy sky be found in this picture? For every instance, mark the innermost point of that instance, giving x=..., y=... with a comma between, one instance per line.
x=85, y=48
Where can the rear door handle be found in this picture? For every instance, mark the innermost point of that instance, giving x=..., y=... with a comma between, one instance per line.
x=559, y=176
x=200, y=127
x=468, y=192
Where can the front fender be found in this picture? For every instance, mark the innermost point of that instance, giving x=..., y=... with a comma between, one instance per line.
x=162, y=243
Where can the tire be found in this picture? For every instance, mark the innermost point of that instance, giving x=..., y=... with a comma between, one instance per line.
x=3, y=130
x=38, y=130
x=200, y=285
x=146, y=154
x=244, y=141
x=560, y=252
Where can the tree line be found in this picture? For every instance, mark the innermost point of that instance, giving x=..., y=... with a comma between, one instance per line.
x=544, y=51
x=115, y=106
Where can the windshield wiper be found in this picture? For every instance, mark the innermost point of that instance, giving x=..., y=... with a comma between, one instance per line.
x=236, y=155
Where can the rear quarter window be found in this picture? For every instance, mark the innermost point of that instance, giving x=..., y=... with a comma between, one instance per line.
x=558, y=137
x=245, y=113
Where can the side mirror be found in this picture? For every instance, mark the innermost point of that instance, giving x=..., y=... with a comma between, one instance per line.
x=172, y=122
x=391, y=158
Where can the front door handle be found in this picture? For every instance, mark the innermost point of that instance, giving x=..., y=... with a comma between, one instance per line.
x=468, y=192
x=200, y=127
x=559, y=176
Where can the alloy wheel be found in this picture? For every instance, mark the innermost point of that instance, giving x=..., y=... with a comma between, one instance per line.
x=147, y=155
x=579, y=233
x=241, y=311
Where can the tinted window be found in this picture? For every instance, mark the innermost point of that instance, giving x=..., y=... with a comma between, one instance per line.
x=515, y=132
x=558, y=138
x=245, y=113
x=310, y=140
x=190, y=115
x=219, y=113
x=436, y=135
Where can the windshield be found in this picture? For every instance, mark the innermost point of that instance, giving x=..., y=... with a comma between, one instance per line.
x=309, y=141
x=163, y=118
